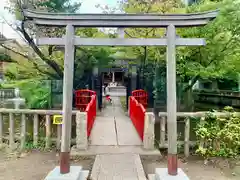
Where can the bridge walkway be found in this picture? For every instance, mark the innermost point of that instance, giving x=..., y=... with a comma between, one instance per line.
x=117, y=146
x=114, y=129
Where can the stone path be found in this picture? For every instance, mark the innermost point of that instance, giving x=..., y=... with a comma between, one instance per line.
x=113, y=127
x=118, y=167
x=113, y=131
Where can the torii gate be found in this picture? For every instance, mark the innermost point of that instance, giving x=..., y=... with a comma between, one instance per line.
x=71, y=21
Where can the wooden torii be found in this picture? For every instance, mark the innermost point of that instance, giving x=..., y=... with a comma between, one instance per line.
x=72, y=21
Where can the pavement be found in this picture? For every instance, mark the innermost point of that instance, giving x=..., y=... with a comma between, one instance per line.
x=117, y=146
x=118, y=167
x=113, y=127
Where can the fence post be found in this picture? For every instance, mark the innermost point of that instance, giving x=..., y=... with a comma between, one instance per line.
x=23, y=131
x=81, y=131
x=162, y=131
x=48, y=131
x=149, y=133
x=11, y=132
x=186, y=137
x=59, y=134
x=35, y=129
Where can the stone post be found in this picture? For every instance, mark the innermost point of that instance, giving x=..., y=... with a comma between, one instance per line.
x=81, y=131
x=171, y=100
x=113, y=77
x=121, y=32
x=67, y=99
x=17, y=96
x=149, y=133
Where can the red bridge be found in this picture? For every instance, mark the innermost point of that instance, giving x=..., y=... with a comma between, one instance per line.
x=86, y=101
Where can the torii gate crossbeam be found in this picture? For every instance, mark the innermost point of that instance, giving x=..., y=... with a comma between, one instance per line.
x=169, y=21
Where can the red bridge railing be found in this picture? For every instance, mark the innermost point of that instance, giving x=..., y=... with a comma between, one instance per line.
x=141, y=96
x=137, y=115
x=91, y=113
x=86, y=101
x=82, y=98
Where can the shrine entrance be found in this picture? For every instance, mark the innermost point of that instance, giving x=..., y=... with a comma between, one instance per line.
x=168, y=21
x=125, y=83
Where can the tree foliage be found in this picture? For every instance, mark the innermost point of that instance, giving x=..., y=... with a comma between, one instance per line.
x=218, y=59
x=47, y=62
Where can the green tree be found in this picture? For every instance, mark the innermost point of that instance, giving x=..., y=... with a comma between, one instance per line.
x=219, y=58
x=47, y=62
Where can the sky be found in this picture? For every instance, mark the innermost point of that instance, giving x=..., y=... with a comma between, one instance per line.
x=88, y=6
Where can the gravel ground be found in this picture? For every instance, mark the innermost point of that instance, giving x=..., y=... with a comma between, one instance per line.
x=36, y=165
x=194, y=168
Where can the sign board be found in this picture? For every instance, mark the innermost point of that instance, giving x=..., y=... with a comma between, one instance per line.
x=57, y=119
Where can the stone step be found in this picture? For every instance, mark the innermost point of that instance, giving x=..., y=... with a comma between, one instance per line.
x=118, y=167
x=95, y=150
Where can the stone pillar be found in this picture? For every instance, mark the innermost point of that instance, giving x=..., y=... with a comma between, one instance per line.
x=17, y=98
x=149, y=133
x=171, y=100
x=121, y=32
x=113, y=77
x=16, y=93
x=67, y=99
x=81, y=131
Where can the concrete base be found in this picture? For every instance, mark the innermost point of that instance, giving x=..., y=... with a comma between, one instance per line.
x=84, y=175
x=162, y=174
x=151, y=177
x=76, y=173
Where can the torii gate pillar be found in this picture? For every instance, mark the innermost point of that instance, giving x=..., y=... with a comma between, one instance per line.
x=67, y=99
x=171, y=100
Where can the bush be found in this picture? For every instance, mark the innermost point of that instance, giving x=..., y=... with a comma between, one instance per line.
x=220, y=136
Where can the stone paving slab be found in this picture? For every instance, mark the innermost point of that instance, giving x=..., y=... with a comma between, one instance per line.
x=118, y=167
x=103, y=132
x=113, y=127
x=126, y=132
x=95, y=150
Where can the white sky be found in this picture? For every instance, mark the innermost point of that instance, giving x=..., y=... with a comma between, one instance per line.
x=88, y=6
